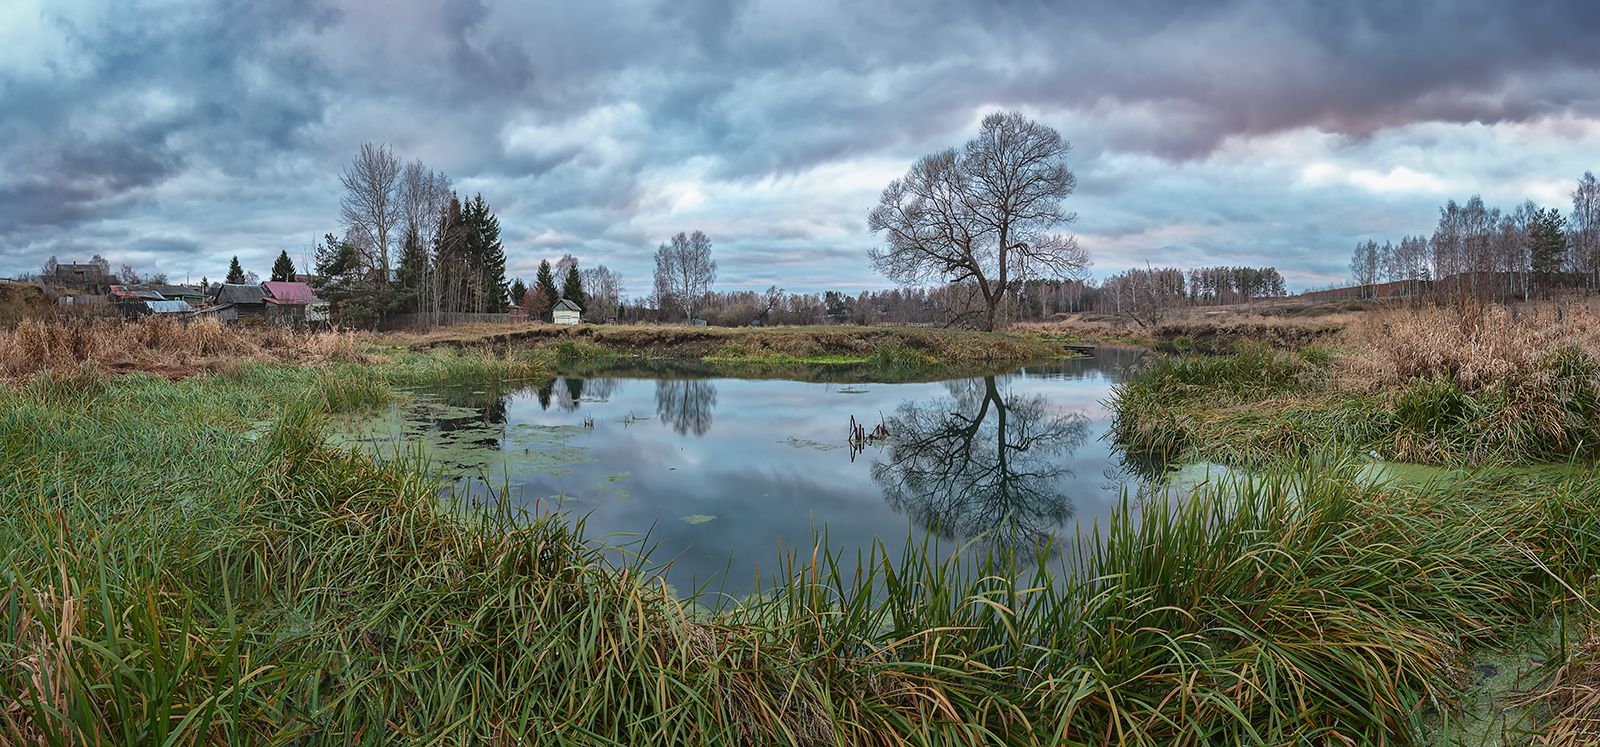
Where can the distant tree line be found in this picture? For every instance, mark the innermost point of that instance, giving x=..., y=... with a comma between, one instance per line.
x=1145, y=295
x=1482, y=252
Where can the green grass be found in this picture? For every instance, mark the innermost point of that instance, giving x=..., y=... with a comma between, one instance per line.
x=165, y=577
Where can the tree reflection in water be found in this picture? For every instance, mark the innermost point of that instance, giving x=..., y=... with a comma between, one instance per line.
x=686, y=404
x=986, y=461
x=485, y=427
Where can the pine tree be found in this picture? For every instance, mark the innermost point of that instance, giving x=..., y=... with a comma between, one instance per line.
x=1548, y=245
x=235, y=271
x=572, y=289
x=518, y=290
x=546, y=283
x=283, y=268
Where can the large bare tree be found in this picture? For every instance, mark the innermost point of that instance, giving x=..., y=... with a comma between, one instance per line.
x=983, y=215
x=370, y=208
x=685, y=271
x=605, y=291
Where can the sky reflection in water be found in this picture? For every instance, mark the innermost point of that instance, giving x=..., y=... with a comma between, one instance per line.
x=721, y=473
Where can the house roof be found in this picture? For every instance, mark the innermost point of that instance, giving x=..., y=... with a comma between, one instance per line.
x=282, y=292
x=170, y=291
x=169, y=307
x=241, y=293
x=129, y=292
x=566, y=304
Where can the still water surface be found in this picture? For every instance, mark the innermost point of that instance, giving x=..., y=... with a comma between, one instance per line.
x=720, y=473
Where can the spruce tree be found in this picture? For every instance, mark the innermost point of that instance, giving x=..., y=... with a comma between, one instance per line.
x=491, y=258
x=546, y=283
x=235, y=271
x=411, y=273
x=283, y=269
x=450, y=257
x=572, y=289
x=518, y=290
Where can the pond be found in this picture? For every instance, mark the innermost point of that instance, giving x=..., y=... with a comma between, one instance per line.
x=721, y=475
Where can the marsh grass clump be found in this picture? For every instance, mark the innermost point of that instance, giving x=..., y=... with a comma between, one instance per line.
x=445, y=365
x=1454, y=387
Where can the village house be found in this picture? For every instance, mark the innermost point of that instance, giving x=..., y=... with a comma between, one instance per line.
x=294, y=303
x=233, y=302
x=189, y=294
x=87, y=276
x=566, y=312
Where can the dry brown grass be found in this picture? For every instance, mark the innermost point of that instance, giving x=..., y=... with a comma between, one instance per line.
x=1472, y=347
x=44, y=668
x=1572, y=698
x=161, y=346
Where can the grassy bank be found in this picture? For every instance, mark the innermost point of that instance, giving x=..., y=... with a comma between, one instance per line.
x=904, y=347
x=183, y=561
x=168, y=579
x=1449, y=387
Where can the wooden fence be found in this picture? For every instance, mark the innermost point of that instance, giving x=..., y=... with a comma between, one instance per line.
x=445, y=319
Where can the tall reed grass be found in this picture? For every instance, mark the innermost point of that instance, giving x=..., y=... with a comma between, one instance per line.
x=165, y=580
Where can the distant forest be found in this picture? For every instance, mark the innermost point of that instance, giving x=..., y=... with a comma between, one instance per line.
x=1488, y=253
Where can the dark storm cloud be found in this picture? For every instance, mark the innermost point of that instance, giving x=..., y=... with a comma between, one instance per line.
x=217, y=128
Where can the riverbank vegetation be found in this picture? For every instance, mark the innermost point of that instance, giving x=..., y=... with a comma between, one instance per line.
x=169, y=577
x=1460, y=386
x=888, y=346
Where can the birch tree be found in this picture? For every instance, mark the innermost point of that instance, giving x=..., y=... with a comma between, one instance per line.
x=370, y=208
x=1583, y=226
x=685, y=271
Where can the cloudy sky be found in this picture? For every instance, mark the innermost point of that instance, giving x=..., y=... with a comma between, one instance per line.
x=173, y=134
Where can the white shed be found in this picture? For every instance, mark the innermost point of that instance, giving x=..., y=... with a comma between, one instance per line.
x=565, y=312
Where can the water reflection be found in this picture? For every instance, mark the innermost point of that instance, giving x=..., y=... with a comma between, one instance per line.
x=745, y=468
x=685, y=404
x=483, y=428
x=985, y=461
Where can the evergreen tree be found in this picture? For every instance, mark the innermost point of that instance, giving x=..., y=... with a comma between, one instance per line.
x=546, y=283
x=450, y=260
x=411, y=274
x=572, y=289
x=283, y=268
x=235, y=271
x=1547, y=241
x=518, y=290
x=488, y=256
